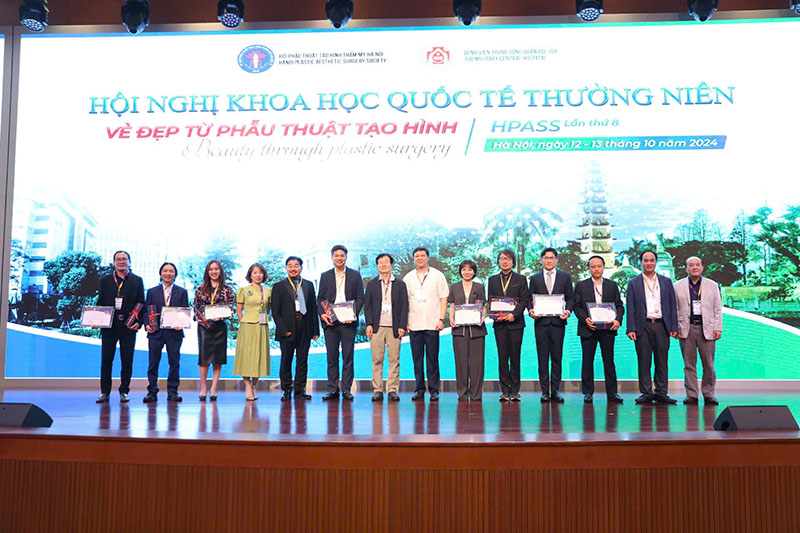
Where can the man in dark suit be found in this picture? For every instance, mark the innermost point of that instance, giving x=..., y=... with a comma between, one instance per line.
x=167, y=294
x=508, y=328
x=597, y=289
x=340, y=284
x=550, y=330
x=652, y=320
x=294, y=307
x=122, y=290
x=386, y=315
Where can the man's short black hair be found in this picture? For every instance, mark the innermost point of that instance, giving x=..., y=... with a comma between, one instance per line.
x=339, y=247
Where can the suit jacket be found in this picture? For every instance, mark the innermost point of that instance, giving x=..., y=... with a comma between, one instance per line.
x=373, y=301
x=710, y=304
x=584, y=293
x=353, y=290
x=155, y=297
x=517, y=288
x=456, y=296
x=132, y=293
x=561, y=285
x=637, y=305
x=284, y=313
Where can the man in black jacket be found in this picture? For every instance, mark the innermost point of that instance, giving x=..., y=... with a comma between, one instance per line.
x=294, y=306
x=386, y=315
x=122, y=290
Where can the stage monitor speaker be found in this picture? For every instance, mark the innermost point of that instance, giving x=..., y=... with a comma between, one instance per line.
x=756, y=418
x=24, y=415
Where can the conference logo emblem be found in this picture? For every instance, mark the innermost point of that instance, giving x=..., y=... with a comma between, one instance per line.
x=438, y=55
x=256, y=59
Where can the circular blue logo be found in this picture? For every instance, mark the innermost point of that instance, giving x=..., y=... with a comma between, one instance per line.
x=256, y=58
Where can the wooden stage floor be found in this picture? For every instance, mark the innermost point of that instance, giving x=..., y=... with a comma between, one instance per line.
x=232, y=418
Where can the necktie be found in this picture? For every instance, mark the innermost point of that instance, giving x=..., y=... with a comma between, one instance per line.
x=550, y=282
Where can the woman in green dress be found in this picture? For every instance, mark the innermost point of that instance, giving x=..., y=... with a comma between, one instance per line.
x=252, y=342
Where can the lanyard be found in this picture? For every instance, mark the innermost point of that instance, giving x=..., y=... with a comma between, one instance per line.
x=340, y=284
x=118, y=282
x=699, y=291
x=296, y=287
x=600, y=292
x=504, y=286
x=654, y=287
x=261, y=288
x=422, y=281
x=386, y=286
x=167, y=295
x=214, y=294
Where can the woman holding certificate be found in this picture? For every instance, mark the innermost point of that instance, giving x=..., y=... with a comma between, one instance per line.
x=212, y=302
x=252, y=343
x=467, y=313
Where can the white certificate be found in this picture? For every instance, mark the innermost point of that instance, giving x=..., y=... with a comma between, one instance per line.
x=602, y=313
x=344, y=311
x=468, y=315
x=505, y=305
x=549, y=304
x=97, y=316
x=213, y=312
x=176, y=317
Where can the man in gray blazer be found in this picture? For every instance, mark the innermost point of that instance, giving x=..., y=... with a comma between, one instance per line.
x=699, y=328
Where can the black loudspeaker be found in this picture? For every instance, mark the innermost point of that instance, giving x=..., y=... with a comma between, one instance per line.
x=24, y=415
x=756, y=418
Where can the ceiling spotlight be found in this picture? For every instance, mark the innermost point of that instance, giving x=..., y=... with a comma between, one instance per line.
x=467, y=11
x=136, y=15
x=230, y=12
x=702, y=10
x=588, y=10
x=339, y=12
x=33, y=14
x=795, y=5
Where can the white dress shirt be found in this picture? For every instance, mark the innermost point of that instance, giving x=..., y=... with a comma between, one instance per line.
x=424, y=298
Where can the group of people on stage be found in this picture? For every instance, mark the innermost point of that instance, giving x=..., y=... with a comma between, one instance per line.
x=417, y=306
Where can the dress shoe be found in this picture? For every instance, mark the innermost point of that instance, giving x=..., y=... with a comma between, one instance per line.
x=302, y=395
x=393, y=397
x=103, y=398
x=418, y=396
x=347, y=396
x=690, y=400
x=516, y=397
x=150, y=397
x=202, y=397
x=505, y=397
x=174, y=397
x=587, y=398
x=330, y=396
x=213, y=397
x=710, y=400
x=124, y=398
x=377, y=397
x=645, y=398
x=434, y=396
x=286, y=396
x=663, y=398
x=544, y=398
x=616, y=398
x=556, y=397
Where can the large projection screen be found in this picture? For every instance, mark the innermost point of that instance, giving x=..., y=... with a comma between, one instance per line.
x=251, y=146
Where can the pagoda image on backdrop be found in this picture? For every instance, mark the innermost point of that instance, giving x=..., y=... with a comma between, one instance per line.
x=595, y=227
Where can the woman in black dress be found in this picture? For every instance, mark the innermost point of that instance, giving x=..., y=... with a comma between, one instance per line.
x=212, y=335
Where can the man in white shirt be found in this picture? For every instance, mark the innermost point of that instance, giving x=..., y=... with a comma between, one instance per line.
x=427, y=308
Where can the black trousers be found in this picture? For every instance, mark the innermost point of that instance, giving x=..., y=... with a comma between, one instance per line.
x=298, y=346
x=652, y=345
x=589, y=348
x=173, y=344
x=549, y=348
x=108, y=347
x=336, y=335
x=509, y=346
x=425, y=347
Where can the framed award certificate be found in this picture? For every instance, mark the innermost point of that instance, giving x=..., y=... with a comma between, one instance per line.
x=468, y=314
x=176, y=317
x=549, y=304
x=501, y=306
x=218, y=311
x=603, y=314
x=97, y=316
x=344, y=311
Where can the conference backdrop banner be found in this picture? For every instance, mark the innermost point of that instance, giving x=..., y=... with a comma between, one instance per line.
x=251, y=146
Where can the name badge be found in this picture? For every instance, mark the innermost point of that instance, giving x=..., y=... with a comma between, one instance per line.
x=697, y=308
x=297, y=306
x=386, y=309
x=420, y=297
x=262, y=318
x=118, y=303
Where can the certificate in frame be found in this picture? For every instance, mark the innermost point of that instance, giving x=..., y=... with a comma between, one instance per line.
x=549, y=304
x=97, y=316
x=500, y=307
x=176, y=317
x=217, y=311
x=603, y=314
x=343, y=311
x=468, y=314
